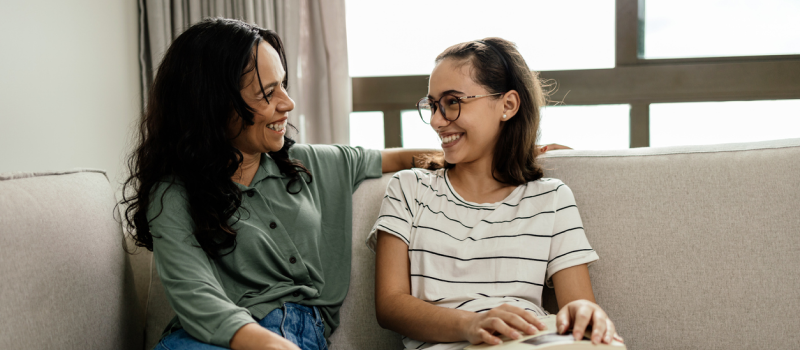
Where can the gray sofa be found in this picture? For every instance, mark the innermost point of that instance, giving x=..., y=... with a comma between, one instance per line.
x=699, y=249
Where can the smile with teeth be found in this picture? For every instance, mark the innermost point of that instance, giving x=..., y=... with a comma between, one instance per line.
x=279, y=126
x=451, y=138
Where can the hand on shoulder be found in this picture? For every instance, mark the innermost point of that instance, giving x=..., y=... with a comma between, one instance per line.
x=551, y=147
x=580, y=314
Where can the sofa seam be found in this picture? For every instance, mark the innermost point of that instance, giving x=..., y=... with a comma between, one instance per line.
x=551, y=156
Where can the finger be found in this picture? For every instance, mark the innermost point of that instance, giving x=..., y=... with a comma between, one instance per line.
x=538, y=323
x=611, y=330
x=562, y=320
x=527, y=321
x=543, y=149
x=582, y=318
x=520, y=322
x=531, y=318
x=487, y=338
x=618, y=338
x=599, y=326
x=501, y=327
x=557, y=146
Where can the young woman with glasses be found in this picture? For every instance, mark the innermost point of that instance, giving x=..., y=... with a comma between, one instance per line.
x=465, y=247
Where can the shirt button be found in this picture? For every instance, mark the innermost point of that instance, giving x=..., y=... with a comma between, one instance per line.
x=251, y=193
x=296, y=294
x=273, y=225
x=292, y=260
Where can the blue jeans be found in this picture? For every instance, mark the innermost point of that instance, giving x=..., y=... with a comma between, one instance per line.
x=299, y=324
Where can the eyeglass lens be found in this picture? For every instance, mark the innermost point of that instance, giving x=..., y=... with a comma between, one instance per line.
x=450, y=105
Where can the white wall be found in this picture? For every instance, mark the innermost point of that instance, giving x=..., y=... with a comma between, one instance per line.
x=69, y=84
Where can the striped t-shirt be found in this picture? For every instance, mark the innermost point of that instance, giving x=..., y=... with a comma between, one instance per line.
x=476, y=257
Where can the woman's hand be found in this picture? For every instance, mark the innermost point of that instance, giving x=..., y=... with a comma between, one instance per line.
x=552, y=146
x=504, y=319
x=253, y=336
x=580, y=314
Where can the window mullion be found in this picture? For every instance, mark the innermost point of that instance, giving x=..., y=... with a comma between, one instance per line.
x=627, y=32
x=640, y=124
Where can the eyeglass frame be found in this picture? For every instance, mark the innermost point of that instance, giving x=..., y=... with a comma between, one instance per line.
x=438, y=105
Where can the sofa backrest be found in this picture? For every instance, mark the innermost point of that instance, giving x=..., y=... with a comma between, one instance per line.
x=699, y=246
x=66, y=281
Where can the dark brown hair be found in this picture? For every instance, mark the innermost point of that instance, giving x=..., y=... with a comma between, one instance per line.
x=183, y=136
x=498, y=66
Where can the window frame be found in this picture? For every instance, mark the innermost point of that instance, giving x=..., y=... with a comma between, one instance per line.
x=634, y=80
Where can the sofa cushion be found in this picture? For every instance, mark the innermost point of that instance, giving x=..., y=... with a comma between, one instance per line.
x=699, y=245
x=66, y=283
x=359, y=327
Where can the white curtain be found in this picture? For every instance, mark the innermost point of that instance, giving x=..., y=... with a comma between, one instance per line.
x=313, y=32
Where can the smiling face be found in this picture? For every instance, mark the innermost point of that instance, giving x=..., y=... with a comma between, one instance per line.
x=474, y=134
x=271, y=113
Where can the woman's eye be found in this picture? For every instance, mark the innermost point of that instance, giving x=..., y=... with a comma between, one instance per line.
x=268, y=95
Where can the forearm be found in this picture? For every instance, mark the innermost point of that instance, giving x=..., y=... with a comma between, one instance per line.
x=401, y=312
x=572, y=284
x=412, y=317
x=396, y=159
x=252, y=337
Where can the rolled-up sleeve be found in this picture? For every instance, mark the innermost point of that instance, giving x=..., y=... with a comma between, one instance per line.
x=362, y=163
x=351, y=165
x=189, y=277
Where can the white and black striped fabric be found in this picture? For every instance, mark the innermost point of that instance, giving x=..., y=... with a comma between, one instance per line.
x=476, y=257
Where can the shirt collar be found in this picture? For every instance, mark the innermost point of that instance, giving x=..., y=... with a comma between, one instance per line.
x=266, y=169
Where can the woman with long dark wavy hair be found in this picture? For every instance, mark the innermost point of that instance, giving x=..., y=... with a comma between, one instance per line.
x=251, y=234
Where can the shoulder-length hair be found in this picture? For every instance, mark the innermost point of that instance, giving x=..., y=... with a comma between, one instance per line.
x=499, y=67
x=183, y=135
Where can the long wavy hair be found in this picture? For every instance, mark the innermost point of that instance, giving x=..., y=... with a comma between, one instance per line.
x=498, y=66
x=183, y=135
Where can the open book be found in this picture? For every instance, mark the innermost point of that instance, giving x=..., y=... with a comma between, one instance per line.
x=548, y=339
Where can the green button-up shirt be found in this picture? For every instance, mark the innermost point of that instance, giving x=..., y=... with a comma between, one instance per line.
x=290, y=247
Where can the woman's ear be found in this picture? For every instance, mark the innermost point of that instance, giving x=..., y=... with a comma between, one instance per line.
x=510, y=104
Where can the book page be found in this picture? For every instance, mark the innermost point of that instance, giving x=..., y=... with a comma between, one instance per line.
x=547, y=339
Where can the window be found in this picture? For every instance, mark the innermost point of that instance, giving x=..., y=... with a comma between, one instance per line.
x=712, y=28
x=417, y=134
x=388, y=38
x=586, y=127
x=366, y=130
x=616, y=64
x=702, y=123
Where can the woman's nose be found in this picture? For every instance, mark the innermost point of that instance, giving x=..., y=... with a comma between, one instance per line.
x=286, y=104
x=438, y=119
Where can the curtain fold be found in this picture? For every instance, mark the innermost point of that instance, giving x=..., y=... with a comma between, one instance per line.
x=315, y=39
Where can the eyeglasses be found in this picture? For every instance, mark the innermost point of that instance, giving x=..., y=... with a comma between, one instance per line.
x=449, y=105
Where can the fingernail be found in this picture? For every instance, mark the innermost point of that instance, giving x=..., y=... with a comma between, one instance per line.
x=514, y=335
x=531, y=330
x=560, y=329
